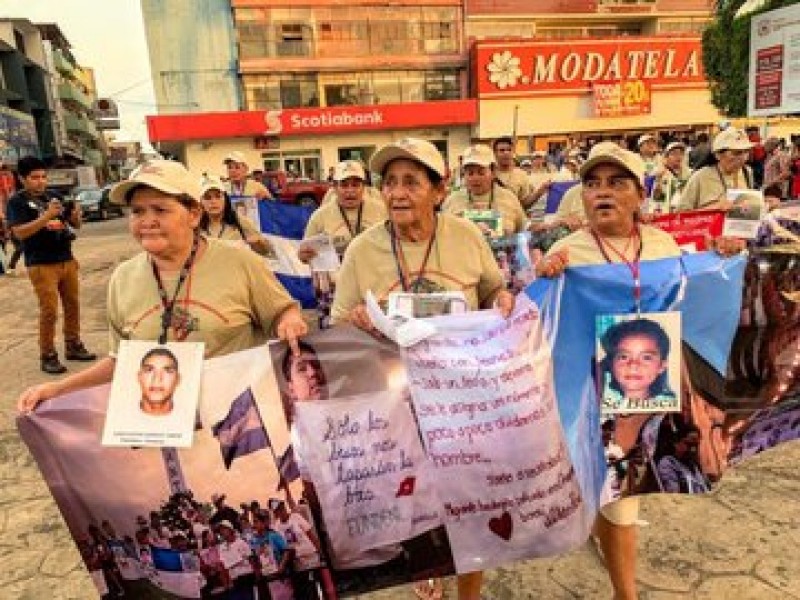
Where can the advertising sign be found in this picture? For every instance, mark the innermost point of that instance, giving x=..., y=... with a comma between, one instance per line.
x=545, y=67
x=311, y=121
x=774, y=86
x=621, y=98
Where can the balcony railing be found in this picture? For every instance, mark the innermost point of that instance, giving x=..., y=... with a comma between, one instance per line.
x=80, y=125
x=69, y=92
x=93, y=157
x=63, y=65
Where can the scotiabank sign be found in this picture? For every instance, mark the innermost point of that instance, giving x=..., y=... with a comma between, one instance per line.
x=311, y=121
x=530, y=67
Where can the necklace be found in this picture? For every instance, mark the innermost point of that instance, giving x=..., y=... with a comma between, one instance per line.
x=400, y=259
x=633, y=265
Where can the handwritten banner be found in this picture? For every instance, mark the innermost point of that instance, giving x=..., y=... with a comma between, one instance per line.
x=368, y=466
x=475, y=389
x=692, y=229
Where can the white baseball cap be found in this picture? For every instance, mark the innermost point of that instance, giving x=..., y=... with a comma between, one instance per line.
x=645, y=137
x=167, y=176
x=415, y=149
x=479, y=154
x=211, y=183
x=347, y=169
x=673, y=145
x=732, y=138
x=609, y=152
x=236, y=157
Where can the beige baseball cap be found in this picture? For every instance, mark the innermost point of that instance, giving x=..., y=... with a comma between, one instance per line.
x=418, y=150
x=673, y=145
x=645, y=137
x=211, y=183
x=236, y=157
x=167, y=176
x=479, y=154
x=609, y=152
x=347, y=169
x=732, y=138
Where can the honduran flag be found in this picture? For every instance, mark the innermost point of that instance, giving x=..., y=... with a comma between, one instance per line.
x=242, y=431
x=284, y=225
x=558, y=188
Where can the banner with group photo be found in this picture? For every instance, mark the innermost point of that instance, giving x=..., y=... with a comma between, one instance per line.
x=481, y=445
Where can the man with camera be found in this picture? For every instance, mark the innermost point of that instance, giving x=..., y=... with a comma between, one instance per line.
x=43, y=224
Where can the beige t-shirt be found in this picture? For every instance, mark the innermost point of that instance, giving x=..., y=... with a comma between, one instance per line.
x=460, y=260
x=706, y=186
x=583, y=248
x=499, y=199
x=369, y=192
x=230, y=301
x=518, y=182
x=251, y=188
x=328, y=219
x=572, y=203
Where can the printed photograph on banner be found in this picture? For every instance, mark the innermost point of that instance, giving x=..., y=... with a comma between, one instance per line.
x=357, y=453
x=744, y=219
x=154, y=394
x=639, y=362
x=490, y=222
x=247, y=206
x=420, y=306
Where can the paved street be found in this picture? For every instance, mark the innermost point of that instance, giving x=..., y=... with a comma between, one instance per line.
x=740, y=542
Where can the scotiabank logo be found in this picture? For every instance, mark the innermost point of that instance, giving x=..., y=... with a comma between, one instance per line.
x=329, y=119
x=272, y=118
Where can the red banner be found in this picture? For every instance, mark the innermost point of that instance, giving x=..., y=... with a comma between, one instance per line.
x=311, y=121
x=692, y=228
x=546, y=67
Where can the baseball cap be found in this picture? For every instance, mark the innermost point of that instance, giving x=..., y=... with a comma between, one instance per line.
x=539, y=154
x=347, y=169
x=235, y=156
x=226, y=523
x=644, y=138
x=525, y=162
x=479, y=154
x=418, y=150
x=672, y=145
x=609, y=152
x=211, y=183
x=167, y=176
x=274, y=503
x=732, y=138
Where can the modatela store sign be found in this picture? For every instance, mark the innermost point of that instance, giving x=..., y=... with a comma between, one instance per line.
x=312, y=121
x=525, y=68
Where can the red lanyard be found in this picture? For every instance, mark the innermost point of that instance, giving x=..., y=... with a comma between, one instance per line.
x=400, y=260
x=169, y=305
x=633, y=266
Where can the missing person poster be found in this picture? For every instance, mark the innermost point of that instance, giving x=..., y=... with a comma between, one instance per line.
x=154, y=394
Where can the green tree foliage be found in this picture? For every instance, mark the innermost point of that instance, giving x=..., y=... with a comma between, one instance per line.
x=726, y=54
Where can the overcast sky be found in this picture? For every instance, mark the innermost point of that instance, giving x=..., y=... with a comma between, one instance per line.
x=107, y=35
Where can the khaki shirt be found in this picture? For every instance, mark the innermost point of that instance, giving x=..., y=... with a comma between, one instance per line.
x=230, y=301
x=518, y=182
x=708, y=185
x=583, y=248
x=328, y=219
x=252, y=188
x=572, y=203
x=460, y=260
x=499, y=199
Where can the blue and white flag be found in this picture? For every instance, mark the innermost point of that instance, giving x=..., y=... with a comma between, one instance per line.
x=242, y=431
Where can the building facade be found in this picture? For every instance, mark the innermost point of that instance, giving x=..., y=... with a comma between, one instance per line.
x=549, y=70
x=26, y=127
x=323, y=82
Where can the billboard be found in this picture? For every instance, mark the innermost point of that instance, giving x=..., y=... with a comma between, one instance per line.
x=774, y=84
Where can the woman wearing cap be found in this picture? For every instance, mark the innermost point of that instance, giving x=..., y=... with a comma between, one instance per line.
x=613, y=192
x=723, y=170
x=418, y=250
x=670, y=179
x=647, y=144
x=481, y=191
x=221, y=221
x=352, y=213
x=187, y=287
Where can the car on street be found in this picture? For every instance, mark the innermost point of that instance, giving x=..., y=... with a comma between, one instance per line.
x=95, y=203
x=295, y=191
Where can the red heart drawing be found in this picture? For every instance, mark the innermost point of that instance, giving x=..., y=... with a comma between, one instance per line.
x=406, y=487
x=502, y=526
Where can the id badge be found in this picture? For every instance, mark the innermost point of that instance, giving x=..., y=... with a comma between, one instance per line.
x=154, y=394
x=490, y=222
x=419, y=306
x=639, y=363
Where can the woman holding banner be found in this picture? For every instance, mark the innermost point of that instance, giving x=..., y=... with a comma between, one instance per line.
x=418, y=250
x=613, y=194
x=187, y=287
